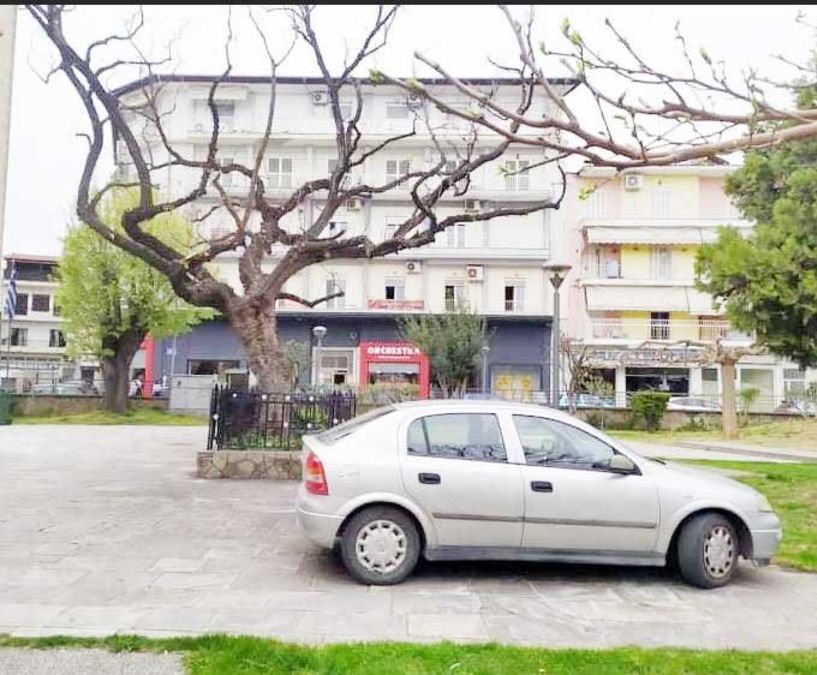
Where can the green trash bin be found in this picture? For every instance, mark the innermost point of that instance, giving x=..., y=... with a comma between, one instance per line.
x=5, y=407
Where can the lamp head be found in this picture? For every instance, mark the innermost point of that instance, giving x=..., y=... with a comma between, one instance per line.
x=319, y=332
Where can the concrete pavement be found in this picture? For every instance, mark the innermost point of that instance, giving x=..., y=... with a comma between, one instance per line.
x=105, y=530
x=85, y=661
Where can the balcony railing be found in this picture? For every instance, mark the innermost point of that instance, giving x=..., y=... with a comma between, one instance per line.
x=704, y=330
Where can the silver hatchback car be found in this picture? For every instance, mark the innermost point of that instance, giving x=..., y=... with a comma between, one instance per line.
x=489, y=480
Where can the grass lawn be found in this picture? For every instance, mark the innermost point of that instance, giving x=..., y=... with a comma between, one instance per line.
x=136, y=416
x=792, y=491
x=221, y=655
x=789, y=433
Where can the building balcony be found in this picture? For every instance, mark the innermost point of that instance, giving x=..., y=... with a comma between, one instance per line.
x=660, y=231
x=623, y=331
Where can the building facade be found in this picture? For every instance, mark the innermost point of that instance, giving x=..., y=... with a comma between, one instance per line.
x=32, y=345
x=495, y=267
x=633, y=243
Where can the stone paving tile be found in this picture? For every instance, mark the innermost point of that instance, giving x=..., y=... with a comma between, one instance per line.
x=448, y=626
x=133, y=540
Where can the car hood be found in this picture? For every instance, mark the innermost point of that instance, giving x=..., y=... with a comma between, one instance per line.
x=710, y=484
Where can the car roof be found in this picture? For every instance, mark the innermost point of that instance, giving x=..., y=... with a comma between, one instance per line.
x=435, y=405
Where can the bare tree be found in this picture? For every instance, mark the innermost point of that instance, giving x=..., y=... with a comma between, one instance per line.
x=578, y=365
x=252, y=313
x=643, y=116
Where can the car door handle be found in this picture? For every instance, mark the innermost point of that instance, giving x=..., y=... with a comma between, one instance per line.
x=429, y=478
x=541, y=486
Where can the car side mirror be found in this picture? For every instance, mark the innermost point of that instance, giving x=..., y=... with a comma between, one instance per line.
x=622, y=464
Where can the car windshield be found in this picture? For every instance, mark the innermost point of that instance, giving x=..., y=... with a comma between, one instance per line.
x=334, y=434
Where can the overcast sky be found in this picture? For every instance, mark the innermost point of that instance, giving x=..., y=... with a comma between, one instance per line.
x=46, y=154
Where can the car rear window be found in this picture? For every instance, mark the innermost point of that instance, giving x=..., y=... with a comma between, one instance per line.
x=334, y=434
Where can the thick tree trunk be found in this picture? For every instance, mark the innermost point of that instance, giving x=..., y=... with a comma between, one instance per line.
x=258, y=332
x=729, y=407
x=116, y=369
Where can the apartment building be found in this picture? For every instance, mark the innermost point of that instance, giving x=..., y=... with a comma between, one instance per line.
x=32, y=346
x=495, y=267
x=633, y=243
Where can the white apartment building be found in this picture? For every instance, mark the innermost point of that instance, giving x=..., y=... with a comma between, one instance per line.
x=495, y=266
x=633, y=244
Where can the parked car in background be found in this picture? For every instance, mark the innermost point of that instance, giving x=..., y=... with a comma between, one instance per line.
x=798, y=407
x=587, y=401
x=65, y=389
x=458, y=480
x=693, y=404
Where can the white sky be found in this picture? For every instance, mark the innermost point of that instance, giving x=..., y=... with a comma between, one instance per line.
x=46, y=154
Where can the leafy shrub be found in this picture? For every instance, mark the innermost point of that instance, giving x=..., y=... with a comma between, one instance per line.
x=596, y=418
x=651, y=405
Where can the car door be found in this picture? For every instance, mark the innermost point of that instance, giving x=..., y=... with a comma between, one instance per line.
x=574, y=503
x=455, y=467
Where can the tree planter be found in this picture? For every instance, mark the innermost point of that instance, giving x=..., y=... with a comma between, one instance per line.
x=263, y=464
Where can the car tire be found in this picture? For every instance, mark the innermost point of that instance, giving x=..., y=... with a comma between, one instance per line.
x=380, y=546
x=707, y=551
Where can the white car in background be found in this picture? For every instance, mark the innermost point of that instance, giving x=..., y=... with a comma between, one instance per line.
x=479, y=480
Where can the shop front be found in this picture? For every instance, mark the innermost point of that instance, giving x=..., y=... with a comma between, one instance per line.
x=394, y=365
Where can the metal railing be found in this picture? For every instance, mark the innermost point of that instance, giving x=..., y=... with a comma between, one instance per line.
x=243, y=420
x=704, y=330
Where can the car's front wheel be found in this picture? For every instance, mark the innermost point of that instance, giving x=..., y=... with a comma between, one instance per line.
x=708, y=551
x=380, y=545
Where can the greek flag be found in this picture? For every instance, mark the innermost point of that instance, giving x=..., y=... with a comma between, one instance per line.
x=11, y=294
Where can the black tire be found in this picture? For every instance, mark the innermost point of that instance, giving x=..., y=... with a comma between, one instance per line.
x=407, y=560
x=694, y=563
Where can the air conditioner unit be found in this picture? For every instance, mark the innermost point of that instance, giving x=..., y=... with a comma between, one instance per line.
x=320, y=97
x=633, y=181
x=472, y=206
x=414, y=267
x=354, y=204
x=474, y=272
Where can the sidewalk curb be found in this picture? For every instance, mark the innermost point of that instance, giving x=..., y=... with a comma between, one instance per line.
x=770, y=453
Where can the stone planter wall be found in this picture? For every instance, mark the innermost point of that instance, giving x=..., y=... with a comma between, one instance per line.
x=36, y=405
x=266, y=464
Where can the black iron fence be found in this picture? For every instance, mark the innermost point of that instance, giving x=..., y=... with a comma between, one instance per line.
x=242, y=420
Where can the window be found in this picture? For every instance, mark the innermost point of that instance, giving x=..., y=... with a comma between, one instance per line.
x=395, y=168
x=454, y=296
x=455, y=236
x=514, y=297
x=335, y=366
x=209, y=366
x=280, y=172
x=551, y=443
x=517, y=176
x=56, y=338
x=794, y=383
x=397, y=111
x=604, y=263
x=395, y=289
x=458, y=436
x=19, y=337
x=40, y=303
x=226, y=116
x=660, y=203
x=56, y=309
x=336, y=286
x=594, y=205
x=227, y=178
x=21, y=307
x=391, y=230
x=659, y=325
x=661, y=262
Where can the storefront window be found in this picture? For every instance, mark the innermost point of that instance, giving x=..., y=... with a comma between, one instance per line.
x=394, y=374
x=209, y=366
x=673, y=381
x=517, y=383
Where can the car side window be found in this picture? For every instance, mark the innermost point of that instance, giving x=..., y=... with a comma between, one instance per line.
x=551, y=443
x=473, y=436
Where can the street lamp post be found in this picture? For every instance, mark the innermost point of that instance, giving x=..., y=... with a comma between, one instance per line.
x=485, y=350
x=319, y=332
x=557, y=274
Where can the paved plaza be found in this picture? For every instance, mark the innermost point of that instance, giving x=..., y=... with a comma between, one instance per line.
x=106, y=530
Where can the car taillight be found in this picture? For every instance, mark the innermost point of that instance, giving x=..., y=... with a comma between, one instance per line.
x=314, y=476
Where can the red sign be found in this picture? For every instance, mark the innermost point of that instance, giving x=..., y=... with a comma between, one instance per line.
x=395, y=352
x=401, y=305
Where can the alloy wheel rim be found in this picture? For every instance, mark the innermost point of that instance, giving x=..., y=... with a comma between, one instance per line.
x=381, y=546
x=719, y=552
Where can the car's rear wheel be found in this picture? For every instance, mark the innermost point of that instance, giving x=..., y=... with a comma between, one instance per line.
x=708, y=549
x=380, y=545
